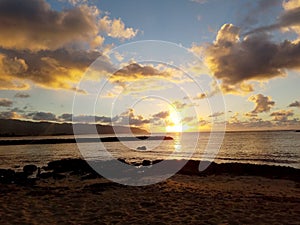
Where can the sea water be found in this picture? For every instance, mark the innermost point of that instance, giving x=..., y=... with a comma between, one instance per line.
x=262, y=147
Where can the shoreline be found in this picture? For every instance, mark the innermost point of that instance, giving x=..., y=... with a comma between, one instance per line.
x=58, y=168
x=69, y=192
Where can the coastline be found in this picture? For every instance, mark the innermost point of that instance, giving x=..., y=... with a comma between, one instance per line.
x=81, y=140
x=71, y=193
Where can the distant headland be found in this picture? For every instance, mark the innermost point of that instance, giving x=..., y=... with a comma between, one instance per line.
x=16, y=128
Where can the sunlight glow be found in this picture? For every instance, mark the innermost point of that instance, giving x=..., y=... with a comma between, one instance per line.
x=175, y=125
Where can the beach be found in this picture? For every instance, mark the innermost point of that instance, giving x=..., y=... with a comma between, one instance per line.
x=216, y=196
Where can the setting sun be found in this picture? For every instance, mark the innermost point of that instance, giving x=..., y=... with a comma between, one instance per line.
x=175, y=125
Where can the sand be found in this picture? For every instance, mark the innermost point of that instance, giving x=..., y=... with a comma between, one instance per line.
x=182, y=199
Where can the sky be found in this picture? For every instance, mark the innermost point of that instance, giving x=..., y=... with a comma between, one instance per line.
x=185, y=65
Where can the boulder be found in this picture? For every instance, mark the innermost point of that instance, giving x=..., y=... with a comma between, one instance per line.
x=146, y=163
x=29, y=169
x=142, y=148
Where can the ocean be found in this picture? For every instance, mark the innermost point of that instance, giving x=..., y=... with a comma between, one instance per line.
x=262, y=147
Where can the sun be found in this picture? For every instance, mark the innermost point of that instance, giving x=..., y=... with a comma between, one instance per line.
x=175, y=120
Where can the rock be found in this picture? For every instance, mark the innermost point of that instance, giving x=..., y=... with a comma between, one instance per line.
x=157, y=161
x=45, y=175
x=122, y=160
x=78, y=166
x=7, y=176
x=146, y=163
x=142, y=148
x=21, y=178
x=58, y=176
x=29, y=169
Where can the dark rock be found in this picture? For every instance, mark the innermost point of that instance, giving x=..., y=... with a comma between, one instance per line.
x=21, y=178
x=146, y=163
x=7, y=176
x=122, y=160
x=157, y=161
x=58, y=176
x=45, y=175
x=29, y=169
x=190, y=168
x=142, y=148
x=69, y=165
x=136, y=164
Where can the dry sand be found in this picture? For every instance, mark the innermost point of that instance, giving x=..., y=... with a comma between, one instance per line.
x=183, y=199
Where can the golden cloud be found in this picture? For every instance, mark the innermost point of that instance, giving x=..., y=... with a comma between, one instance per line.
x=238, y=62
x=262, y=103
x=58, y=69
x=34, y=25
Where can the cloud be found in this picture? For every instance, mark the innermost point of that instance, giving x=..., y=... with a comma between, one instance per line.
x=199, y=1
x=40, y=45
x=254, y=124
x=42, y=116
x=217, y=114
x=262, y=103
x=34, y=25
x=282, y=115
x=128, y=118
x=57, y=69
x=116, y=28
x=238, y=62
x=261, y=8
x=234, y=118
x=67, y=117
x=200, y=96
x=76, y=2
x=203, y=123
x=295, y=104
x=4, y=102
x=135, y=71
x=289, y=19
x=161, y=115
x=188, y=119
x=179, y=105
x=22, y=95
x=9, y=115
